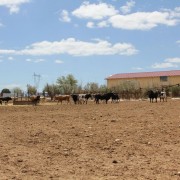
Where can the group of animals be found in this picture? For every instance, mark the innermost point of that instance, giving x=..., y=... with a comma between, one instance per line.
x=153, y=95
x=83, y=98
x=34, y=99
x=77, y=98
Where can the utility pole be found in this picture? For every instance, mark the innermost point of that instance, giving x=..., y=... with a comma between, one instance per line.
x=37, y=78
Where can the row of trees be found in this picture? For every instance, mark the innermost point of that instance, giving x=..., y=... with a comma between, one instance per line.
x=68, y=84
x=64, y=85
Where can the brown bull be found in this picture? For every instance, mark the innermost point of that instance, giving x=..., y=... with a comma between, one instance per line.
x=62, y=98
x=35, y=99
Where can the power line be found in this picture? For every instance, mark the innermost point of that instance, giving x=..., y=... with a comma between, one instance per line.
x=37, y=78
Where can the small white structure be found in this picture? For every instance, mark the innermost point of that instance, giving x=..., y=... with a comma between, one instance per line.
x=6, y=95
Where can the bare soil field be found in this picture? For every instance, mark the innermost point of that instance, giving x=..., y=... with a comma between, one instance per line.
x=130, y=140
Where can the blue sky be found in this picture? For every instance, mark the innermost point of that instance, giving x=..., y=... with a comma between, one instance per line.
x=89, y=39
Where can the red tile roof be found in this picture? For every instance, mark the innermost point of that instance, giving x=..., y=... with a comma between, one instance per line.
x=144, y=74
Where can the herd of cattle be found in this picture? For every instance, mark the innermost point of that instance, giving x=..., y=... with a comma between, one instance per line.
x=83, y=98
x=155, y=94
x=34, y=99
x=115, y=97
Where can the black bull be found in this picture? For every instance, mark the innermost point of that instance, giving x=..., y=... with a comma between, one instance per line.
x=5, y=99
x=153, y=95
x=76, y=97
x=106, y=97
x=35, y=99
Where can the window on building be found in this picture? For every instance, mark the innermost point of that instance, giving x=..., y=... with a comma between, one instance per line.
x=163, y=78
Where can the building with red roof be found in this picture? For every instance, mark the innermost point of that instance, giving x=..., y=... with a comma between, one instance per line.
x=145, y=79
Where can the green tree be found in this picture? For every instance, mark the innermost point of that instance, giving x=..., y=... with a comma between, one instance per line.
x=51, y=89
x=17, y=91
x=67, y=84
x=79, y=89
x=103, y=89
x=175, y=91
x=31, y=90
x=91, y=87
x=5, y=90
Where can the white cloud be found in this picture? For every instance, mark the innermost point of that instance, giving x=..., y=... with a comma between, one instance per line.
x=103, y=24
x=64, y=16
x=177, y=9
x=13, y=5
x=7, y=51
x=35, y=60
x=75, y=47
x=108, y=15
x=94, y=11
x=137, y=68
x=28, y=60
x=10, y=58
x=178, y=41
x=169, y=62
x=90, y=25
x=39, y=60
x=143, y=20
x=163, y=65
x=59, y=62
x=127, y=8
x=173, y=60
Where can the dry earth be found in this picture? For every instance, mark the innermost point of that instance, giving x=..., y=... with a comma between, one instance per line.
x=125, y=141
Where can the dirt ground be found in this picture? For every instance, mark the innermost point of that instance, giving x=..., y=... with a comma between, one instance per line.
x=130, y=140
